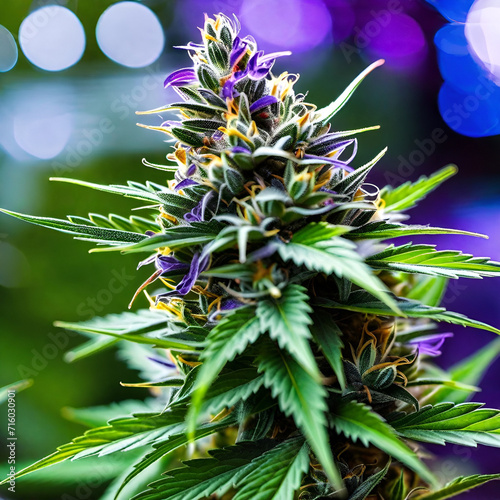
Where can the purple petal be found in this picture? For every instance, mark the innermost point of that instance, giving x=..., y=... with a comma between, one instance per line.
x=163, y=362
x=217, y=135
x=260, y=65
x=430, y=344
x=275, y=55
x=241, y=149
x=263, y=252
x=239, y=48
x=185, y=183
x=184, y=76
x=226, y=305
x=147, y=261
x=197, y=267
x=263, y=102
x=171, y=123
x=332, y=161
x=191, y=170
x=165, y=263
x=195, y=215
x=204, y=203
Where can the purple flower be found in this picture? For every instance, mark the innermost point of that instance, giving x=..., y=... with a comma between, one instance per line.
x=241, y=149
x=258, y=67
x=181, y=77
x=430, y=344
x=238, y=51
x=165, y=263
x=163, y=362
x=184, y=184
x=263, y=102
x=225, y=305
x=332, y=161
x=196, y=214
x=195, y=269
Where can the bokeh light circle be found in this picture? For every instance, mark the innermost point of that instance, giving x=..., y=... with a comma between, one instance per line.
x=8, y=50
x=453, y=10
x=482, y=30
x=43, y=134
x=473, y=114
x=298, y=25
x=400, y=41
x=130, y=34
x=52, y=38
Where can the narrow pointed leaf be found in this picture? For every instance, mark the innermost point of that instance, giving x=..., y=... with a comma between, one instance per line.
x=408, y=194
x=299, y=395
x=358, y=421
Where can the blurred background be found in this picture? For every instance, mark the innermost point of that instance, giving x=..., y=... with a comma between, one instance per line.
x=72, y=75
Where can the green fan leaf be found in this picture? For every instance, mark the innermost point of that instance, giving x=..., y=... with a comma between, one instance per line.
x=99, y=234
x=383, y=230
x=174, y=442
x=425, y=259
x=408, y=194
x=457, y=486
x=469, y=371
x=364, y=489
x=357, y=421
x=304, y=398
x=174, y=238
x=429, y=290
x=319, y=248
x=465, y=424
x=277, y=474
x=361, y=301
x=230, y=337
x=122, y=434
x=287, y=320
x=155, y=328
x=327, y=335
x=225, y=469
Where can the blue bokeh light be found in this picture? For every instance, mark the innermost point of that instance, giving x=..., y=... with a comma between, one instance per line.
x=8, y=50
x=130, y=34
x=52, y=38
x=453, y=10
x=469, y=61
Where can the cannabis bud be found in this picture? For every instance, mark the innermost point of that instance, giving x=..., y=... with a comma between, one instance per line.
x=288, y=330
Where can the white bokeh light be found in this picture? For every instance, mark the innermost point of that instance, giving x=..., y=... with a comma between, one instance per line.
x=43, y=134
x=130, y=34
x=52, y=38
x=8, y=50
x=482, y=30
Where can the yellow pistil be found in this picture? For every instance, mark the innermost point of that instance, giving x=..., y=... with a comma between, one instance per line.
x=168, y=283
x=276, y=81
x=215, y=303
x=180, y=155
x=151, y=127
x=263, y=272
x=217, y=22
x=303, y=120
x=169, y=217
x=189, y=363
x=234, y=132
x=271, y=232
x=289, y=86
x=224, y=413
x=253, y=130
x=162, y=306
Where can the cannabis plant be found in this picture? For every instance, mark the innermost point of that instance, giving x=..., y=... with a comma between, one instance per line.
x=296, y=348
